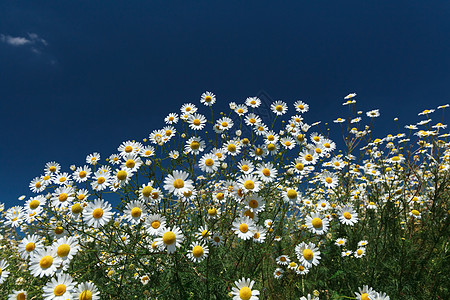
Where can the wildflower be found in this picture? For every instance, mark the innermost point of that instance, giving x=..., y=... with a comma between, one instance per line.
x=348, y=216
x=194, y=145
x=283, y=260
x=30, y=245
x=365, y=293
x=17, y=295
x=44, y=263
x=154, y=224
x=87, y=291
x=373, y=113
x=243, y=228
x=278, y=273
x=208, y=98
x=253, y=102
x=243, y=290
x=279, y=108
x=199, y=251
x=360, y=252
x=93, y=158
x=249, y=183
x=169, y=238
x=301, y=107
x=349, y=96
x=196, y=121
x=66, y=249
x=316, y=223
x=59, y=288
x=308, y=254
x=188, y=108
x=97, y=213
x=135, y=212
x=3, y=273
x=172, y=118
x=209, y=163
x=340, y=242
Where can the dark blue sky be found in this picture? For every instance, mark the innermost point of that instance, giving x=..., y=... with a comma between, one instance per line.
x=88, y=75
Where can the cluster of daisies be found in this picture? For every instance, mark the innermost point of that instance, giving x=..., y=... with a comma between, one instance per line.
x=240, y=182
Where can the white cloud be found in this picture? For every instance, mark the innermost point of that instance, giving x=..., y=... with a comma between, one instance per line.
x=17, y=41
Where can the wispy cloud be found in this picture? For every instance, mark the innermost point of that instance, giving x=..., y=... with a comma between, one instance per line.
x=31, y=40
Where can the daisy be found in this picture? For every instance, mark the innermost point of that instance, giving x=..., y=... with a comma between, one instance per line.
x=253, y=102
x=131, y=162
x=97, y=213
x=340, y=242
x=44, y=263
x=66, y=249
x=61, y=178
x=209, y=163
x=249, y=183
x=254, y=203
x=129, y=147
x=52, y=168
x=18, y=295
x=373, y=113
x=362, y=243
x=199, y=251
x=37, y=185
x=243, y=227
x=177, y=184
x=170, y=239
x=308, y=254
x=259, y=235
x=154, y=223
x=316, y=223
x=30, y=245
x=290, y=195
x=301, y=107
x=135, y=212
x=351, y=95
x=217, y=240
x=365, y=293
x=279, y=108
x=35, y=204
x=174, y=154
x=258, y=152
x=169, y=132
x=330, y=180
x=59, y=288
x=145, y=192
x=3, y=273
x=243, y=290
x=267, y=172
x=271, y=137
x=241, y=110
x=172, y=118
x=278, y=273
x=63, y=197
x=252, y=119
x=346, y=253
x=308, y=157
x=360, y=252
x=283, y=260
x=196, y=121
x=348, y=216
x=224, y=123
x=81, y=174
x=188, y=108
x=194, y=145
x=93, y=158
x=156, y=137
x=301, y=270
x=86, y=291
x=232, y=147
x=309, y=297
x=101, y=180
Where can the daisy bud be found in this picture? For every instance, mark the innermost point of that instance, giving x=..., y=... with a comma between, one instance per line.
x=224, y=165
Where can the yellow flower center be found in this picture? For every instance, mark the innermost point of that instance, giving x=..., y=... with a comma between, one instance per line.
x=46, y=177
x=266, y=172
x=253, y=203
x=178, y=183
x=224, y=124
x=197, y=251
x=97, y=213
x=243, y=228
x=196, y=122
x=299, y=166
x=287, y=143
x=271, y=147
x=415, y=212
x=292, y=194
x=136, y=212
x=347, y=215
x=208, y=99
x=146, y=191
x=195, y=145
x=252, y=120
x=76, y=208
x=301, y=107
x=328, y=180
x=30, y=247
x=327, y=145
x=318, y=151
x=359, y=252
x=365, y=296
x=168, y=132
x=279, y=108
x=63, y=197
x=62, y=179
x=249, y=185
x=245, y=168
x=21, y=296
x=245, y=293
x=212, y=211
x=63, y=250
x=101, y=180
x=317, y=223
x=38, y=184
x=121, y=175
x=259, y=151
x=58, y=230
x=130, y=163
x=52, y=169
x=307, y=254
x=59, y=290
x=169, y=238
x=156, y=224
x=85, y=295
x=34, y=204
x=245, y=141
x=337, y=164
x=308, y=157
x=82, y=174
x=46, y=262
x=220, y=196
x=301, y=268
x=128, y=149
x=209, y=162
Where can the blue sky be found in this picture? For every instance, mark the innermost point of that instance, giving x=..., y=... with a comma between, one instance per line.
x=83, y=76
